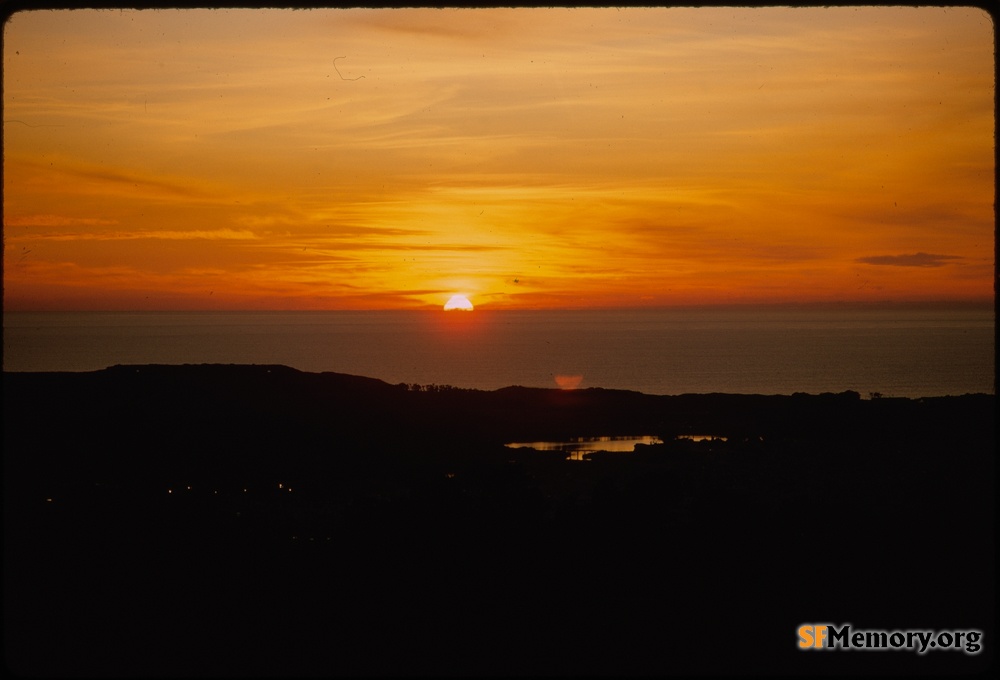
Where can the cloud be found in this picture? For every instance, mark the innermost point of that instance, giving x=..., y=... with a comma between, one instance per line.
x=56, y=221
x=914, y=260
x=453, y=23
x=169, y=235
x=137, y=180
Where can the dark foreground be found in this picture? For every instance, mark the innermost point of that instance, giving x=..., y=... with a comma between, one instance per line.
x=233, y=520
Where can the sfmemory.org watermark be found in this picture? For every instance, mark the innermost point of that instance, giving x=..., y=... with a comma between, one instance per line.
x=828, y=636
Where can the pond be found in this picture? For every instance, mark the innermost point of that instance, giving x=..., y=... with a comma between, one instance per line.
x=577, y=446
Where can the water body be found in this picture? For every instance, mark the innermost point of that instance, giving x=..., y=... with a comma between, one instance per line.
x=575, y=448
x=904, y=351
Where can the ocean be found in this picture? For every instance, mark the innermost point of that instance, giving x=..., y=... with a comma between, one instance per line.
x=903, y=351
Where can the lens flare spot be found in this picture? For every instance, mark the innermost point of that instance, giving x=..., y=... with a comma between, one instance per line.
x=568, y=382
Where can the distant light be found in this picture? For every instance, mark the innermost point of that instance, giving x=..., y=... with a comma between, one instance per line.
x=49, y=500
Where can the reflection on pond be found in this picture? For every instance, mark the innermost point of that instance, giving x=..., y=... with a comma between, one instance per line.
x=578, y=446
x=701, y=437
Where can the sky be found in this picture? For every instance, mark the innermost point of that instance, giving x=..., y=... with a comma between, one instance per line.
x=525, y=158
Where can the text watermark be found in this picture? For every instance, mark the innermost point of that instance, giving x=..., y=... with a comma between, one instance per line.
x=827, y=636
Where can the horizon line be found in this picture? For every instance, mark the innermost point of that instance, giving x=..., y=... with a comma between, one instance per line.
x=487, y=307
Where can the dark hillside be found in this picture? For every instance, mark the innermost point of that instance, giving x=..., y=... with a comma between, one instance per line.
x=257, y=520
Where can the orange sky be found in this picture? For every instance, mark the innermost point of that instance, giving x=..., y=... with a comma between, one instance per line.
x=356, y=159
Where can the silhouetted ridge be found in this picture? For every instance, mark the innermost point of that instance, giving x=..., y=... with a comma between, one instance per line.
x=227, y=519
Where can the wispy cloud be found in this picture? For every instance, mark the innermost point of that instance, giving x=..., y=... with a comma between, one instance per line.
x=172, y=235
x=56, y=221
x=914, y=260
x=125, y=177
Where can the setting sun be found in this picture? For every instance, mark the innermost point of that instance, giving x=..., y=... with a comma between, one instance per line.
x=459, y=302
